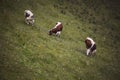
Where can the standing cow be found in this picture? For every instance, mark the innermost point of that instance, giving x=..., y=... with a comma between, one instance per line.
x=57, y=29
x=29, y=17
x=90, y=45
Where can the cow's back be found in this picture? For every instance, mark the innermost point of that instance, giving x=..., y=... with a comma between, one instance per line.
x=58, y=28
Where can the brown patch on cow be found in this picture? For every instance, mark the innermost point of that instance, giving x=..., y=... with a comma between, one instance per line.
x=27, y=15
x=88, y=43
x=93, y=48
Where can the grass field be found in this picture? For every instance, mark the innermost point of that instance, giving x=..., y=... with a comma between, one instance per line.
x=29, y=53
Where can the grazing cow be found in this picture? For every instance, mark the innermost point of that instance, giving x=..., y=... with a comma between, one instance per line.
x=29, y=17
x=57, y=29
x=90, y=45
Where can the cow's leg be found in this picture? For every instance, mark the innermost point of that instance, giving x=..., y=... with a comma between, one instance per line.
x=26, y=21
x=94, y=51
x=88, y=52
x=29, y=20
x=58, y=33
x=33, y=22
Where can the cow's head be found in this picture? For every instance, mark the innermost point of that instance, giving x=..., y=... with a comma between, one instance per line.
x=88, y=43
x=50, y=32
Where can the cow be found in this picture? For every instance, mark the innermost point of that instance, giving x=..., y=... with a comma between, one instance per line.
x=90, y=45
x=29, y=17
x=57, y=29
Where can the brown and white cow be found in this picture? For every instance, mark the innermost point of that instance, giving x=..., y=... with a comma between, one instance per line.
x=29, y=17
x=57, y=29
x=90, y=45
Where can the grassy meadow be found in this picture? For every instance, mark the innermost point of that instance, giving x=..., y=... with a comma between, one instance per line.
x=29, y=53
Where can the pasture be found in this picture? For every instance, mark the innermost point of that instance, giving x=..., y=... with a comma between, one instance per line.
x=29, y=53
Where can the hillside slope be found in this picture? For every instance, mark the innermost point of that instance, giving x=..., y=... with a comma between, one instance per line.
x=29, y=53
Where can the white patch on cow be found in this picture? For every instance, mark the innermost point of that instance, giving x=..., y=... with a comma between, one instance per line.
x=88, y=52
x=58, y=23
x=58, y=33
x=91, y=40
x=29, y=12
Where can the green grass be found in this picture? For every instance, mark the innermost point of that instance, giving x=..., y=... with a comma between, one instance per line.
x=29, y=53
